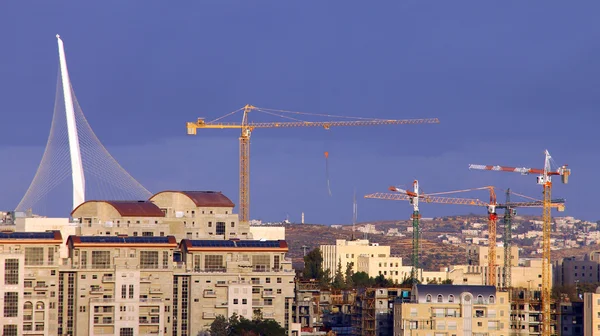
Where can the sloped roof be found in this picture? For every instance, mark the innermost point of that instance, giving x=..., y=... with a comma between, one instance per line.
x=48, y=235
x=210, y=199
x=131, y=208
x=260, y=245
x=121, y=240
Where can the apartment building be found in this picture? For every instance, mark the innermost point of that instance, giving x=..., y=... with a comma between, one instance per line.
x=182, y=214
x=348, y=251
x=117, y=285
x=591, y=313
x=478, y=255
x=583, y=269
x=248, y=277
x=569, y=319
x=29, y=265
x=453, y=309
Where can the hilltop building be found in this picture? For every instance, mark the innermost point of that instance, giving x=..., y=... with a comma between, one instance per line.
x=373, y=259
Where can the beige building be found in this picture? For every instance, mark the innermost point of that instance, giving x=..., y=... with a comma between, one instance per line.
x=591, y=313
x=250, y=278
x=267, y=232
x=182, y=214
x=453, y=310
x=478, y=255
x=42, y=224
x=29, y=265
x=347, y=251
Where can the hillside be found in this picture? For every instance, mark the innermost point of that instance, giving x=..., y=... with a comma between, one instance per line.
x=433, y=254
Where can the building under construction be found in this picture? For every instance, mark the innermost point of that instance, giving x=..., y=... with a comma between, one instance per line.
x=374, y=310
x=526, y=312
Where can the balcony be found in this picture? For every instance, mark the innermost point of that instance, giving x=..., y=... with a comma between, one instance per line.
x=210, y=294
x=34, y=297
x=257, y=303
x=146, y=280
x=108, y=279
x=40, y=288
x=156, y=290
x=269, y=315
x=99, y=290
x=268, y=294
x=155, y=311
x=221, y=305
x=221, y=283
x=208, y=315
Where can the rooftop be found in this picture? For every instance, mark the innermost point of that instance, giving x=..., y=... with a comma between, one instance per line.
x=130, y=208
x=234, y=244
x=120, y=240
x=214, y=199
x=49, y=235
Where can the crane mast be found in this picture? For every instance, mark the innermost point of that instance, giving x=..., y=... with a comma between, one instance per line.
x=507, y=269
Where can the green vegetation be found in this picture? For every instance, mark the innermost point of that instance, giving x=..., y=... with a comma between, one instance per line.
x=238, y=325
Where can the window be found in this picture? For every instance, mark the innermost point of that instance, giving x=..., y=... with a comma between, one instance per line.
x=479, y=298
x=34, y=256
x=123, y=291
x=126, y=332
x=235, y=301
x=149, y=259
x=261, y=262
x=131, y=291
x=278, y=290
x=165, y=259
x=162, y=234
x=428, y=298
x=450, y=298
x=213, y=263
x=244, y=301
x=232, y=224
x=492, y=300
x=50, y=255
x=147, y=234
x=276, y=262
x=83, y=259
x=278, y=280
x=220, y=228
x=11, y=272
x=11, y=304
x=9, y=330
x=440, y=298
x=100, y=259
x=209, y=224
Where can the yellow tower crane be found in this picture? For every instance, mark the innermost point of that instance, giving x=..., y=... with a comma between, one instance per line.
x=248, y=127
x=544, y=179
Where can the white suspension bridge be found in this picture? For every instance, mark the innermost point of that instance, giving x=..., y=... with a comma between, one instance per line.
x=74, y=150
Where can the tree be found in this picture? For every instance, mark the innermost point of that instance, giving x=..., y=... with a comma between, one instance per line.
x=381, y=281
x=338, y=279
x=313, y=265
x=349, y=273
x=361, y=280
x=326, y=279
x=219, y=326
x=447, y=282
x=241, y=326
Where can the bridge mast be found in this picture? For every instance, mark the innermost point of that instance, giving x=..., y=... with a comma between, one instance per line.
x=76, y=164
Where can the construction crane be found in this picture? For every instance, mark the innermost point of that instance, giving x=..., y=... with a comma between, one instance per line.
x=248, y=127
x=545, y=179
x=414, y=196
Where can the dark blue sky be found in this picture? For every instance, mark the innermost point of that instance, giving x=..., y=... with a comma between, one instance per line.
x=507, y=80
